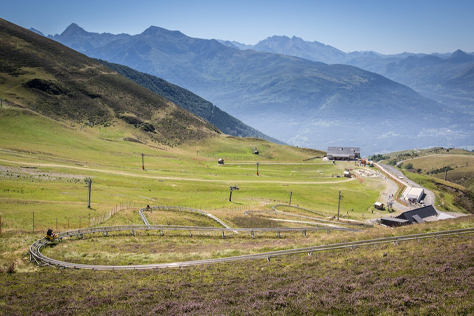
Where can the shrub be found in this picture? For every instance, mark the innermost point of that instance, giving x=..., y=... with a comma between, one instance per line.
x=9, y=268
x=392, y=162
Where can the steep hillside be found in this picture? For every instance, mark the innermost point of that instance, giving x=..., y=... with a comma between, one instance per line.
x=191, y=102
x=55, y=81
x=292, y=99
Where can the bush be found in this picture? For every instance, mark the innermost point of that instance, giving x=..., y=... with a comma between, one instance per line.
x=378, y=157
x=8, y=268
x=392, y=162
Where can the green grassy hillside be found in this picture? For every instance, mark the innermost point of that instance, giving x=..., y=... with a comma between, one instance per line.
x=43, y=164
x=55, y=81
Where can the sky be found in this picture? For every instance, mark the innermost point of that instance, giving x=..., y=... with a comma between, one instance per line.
x=384, y=26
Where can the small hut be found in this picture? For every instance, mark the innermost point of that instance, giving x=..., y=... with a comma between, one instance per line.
x=379, y=205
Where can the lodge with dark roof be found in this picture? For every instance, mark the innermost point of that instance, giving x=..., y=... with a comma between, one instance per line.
x=416, y=216
x=343, y=153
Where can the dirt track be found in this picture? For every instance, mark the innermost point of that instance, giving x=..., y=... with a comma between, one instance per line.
x=128, y=174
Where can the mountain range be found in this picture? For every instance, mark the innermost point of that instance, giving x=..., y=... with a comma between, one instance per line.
x=446, y=78
x=293, y=99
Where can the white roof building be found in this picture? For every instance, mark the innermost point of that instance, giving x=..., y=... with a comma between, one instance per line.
x=413, y=194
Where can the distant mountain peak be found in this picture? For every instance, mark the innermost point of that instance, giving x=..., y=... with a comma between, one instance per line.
x=460, y=56
x=74, y=29
x=155, y=30
x=458, y=53
x=278, y=37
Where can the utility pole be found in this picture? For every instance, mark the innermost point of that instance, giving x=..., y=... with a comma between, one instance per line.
x=90, y=189
x=291, y=193
x=232, y=189
x=143, y=161
x=339, y=204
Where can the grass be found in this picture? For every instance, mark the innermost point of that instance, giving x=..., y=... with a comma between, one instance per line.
x=54, y=176
x=462, y=168
x=43, y=165
x=413, y=278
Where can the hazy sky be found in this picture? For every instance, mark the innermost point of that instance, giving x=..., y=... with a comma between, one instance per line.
x=385, y=26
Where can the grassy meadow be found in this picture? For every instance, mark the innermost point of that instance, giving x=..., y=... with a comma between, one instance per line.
x=43, y=168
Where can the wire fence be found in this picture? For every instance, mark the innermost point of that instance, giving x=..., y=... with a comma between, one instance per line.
x=40, y=223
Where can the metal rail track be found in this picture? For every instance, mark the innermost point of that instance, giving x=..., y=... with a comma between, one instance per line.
x=340, y=222
x=186, y=209
x=40, y=259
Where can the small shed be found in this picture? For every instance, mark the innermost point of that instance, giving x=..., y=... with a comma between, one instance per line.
x=379, y=205
x=347, y=174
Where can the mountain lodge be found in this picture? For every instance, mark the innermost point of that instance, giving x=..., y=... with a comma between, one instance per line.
x=343, y=153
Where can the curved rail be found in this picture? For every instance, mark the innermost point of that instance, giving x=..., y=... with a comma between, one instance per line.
x=340, y=221
x=35, y=249
x=145, y=221
x=188, y=209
